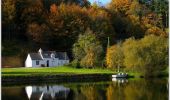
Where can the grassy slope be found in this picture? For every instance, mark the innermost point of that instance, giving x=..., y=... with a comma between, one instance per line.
x=51, y=71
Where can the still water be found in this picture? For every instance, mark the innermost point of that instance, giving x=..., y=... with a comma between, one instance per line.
x=131, y=89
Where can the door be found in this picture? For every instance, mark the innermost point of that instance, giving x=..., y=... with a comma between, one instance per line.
x=47, y=63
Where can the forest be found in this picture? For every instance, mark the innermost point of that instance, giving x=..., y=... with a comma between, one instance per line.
x=81, y=29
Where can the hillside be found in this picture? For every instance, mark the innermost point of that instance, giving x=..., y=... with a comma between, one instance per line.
x=28, y=25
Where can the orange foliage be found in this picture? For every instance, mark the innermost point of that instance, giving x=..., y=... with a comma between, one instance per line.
x=53, y=8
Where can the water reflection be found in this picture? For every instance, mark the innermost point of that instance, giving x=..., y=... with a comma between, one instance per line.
x=47, y=92
x=120, y=80
x=118, y=89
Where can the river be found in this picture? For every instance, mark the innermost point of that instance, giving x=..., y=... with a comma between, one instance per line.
x=116, y=89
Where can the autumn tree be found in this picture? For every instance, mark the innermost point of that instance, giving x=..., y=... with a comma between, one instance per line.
x=130, y=49
x=121, y=6
x=38, y=33
x=88, y=50
x=99, y=22
x=115, y=56
x=156, y=31
x=8, y=18
x=149, y=55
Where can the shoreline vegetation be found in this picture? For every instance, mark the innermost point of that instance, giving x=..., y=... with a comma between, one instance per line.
x=62, y=74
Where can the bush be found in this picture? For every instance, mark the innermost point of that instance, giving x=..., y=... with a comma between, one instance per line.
x=75, y=64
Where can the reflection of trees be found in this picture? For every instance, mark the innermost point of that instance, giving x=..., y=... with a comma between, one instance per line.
x=91, y=92
x=88, y=92
x=152, y=89
x=115, y=91
x=140, y=89
x=146, y=90
x=134, y=91
x=13, y=93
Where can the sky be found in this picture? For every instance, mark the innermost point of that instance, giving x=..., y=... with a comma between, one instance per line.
x=104, y=2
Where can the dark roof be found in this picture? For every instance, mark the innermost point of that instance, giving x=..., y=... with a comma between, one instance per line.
x=47, y=54
x=35, y=56
x=62, y=55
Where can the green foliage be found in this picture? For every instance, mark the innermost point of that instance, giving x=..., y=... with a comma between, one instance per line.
x=75, y=64
x=149, y=55
x=88, y=50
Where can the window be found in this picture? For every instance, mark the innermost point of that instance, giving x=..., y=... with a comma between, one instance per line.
x=37, y=62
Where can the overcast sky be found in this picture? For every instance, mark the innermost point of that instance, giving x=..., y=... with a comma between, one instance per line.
x=102, y=1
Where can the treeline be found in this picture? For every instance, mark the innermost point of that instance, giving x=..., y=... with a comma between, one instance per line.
x=56, y=19
x=57, y=24
x=148, y=55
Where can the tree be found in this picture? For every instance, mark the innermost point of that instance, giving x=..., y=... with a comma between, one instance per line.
x=88, y=50
x=121, y=6
x=8, y=17
x=115, y=56
x=149, y=55
x=156, y=31
x=8, y=10
x=38, y=33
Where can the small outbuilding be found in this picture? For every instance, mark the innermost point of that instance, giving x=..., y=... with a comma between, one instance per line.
x=46, y=59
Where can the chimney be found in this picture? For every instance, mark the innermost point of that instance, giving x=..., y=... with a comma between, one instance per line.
x=40, y=51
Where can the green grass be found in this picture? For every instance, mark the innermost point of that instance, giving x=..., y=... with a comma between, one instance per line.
x=52, y=71
x=63, y=70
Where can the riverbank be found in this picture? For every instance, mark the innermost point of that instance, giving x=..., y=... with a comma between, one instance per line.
x=54, y=74
x=60, y=74
x=52, y=71
x=60, y=78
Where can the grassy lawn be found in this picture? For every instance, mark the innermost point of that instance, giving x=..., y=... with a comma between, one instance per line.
x=52, y=71
x=63, y=70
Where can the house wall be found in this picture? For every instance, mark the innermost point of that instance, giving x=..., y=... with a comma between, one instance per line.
x=55, y=62
x=62, y=62
x=34, y=63
x=28, y=62
x=52, y=62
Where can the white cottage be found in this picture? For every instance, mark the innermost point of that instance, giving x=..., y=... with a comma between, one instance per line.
x=46, y=59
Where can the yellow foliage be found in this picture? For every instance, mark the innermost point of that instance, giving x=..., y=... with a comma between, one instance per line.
x=134, y=19
x=156, y=31
x=121, y=5
x=114, y=56
x=109, y=56
x=89, y=92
